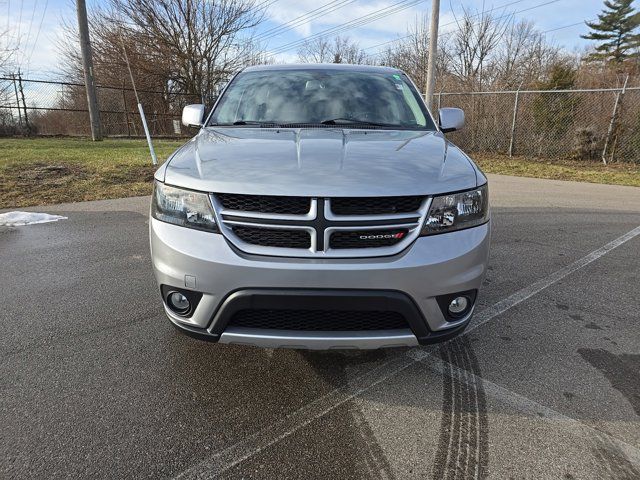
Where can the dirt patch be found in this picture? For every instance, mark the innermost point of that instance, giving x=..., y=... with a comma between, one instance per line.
x=129, y=174
x=40, y=173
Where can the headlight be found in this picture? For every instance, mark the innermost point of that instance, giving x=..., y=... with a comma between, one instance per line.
x=456, y=211
x=183, y=207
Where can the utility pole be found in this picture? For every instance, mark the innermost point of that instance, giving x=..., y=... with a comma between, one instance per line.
x=24, y=103
x=15, y=87
x=433, y=52
x=87, y=64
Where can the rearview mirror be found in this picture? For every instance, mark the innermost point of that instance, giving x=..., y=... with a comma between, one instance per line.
x=451, y=119
x=193, y=115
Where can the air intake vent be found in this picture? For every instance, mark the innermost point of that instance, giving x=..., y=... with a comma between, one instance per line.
x=318, y=226
x=273, y=237
x=319, y=320
x=265, y=203
x=375, y=205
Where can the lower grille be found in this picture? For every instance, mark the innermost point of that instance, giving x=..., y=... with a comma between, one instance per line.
x=273, y=237
x=366, y=238
x=319, y=320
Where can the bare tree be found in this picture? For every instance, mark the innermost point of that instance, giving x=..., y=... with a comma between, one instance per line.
x=522, y=56
x=472, y=45
x=201, y=39
x=412, y=53
x=7, y=51
x=317, y=50
x=7, y=121
x=337, y=50
x=182, y=46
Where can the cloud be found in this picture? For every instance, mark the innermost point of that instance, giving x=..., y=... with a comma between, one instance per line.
x=35, y=46
x=545, y=15
x=284, y=11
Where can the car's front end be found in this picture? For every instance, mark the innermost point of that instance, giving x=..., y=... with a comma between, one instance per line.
x=320, y=238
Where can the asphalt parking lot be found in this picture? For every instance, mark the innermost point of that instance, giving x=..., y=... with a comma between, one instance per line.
x=96, y=382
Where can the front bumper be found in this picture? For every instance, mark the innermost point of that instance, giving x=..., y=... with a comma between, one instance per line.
x=206, y=262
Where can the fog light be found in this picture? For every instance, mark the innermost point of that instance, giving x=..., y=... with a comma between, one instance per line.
x=178, y=302
x=458, y=306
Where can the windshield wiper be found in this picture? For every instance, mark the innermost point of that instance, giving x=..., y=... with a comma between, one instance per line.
x=245, y=122
x=354, y=121
x=252, y=122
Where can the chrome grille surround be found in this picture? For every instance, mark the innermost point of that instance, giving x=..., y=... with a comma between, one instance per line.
x=320, y=222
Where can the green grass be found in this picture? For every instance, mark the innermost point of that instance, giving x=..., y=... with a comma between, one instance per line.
x=42, y=171
x=573, y=170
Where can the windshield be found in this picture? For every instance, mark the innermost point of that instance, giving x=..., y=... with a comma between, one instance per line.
x=316, y=97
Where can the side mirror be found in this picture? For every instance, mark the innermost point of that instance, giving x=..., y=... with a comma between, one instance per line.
x=451, y=119
x=193, y=115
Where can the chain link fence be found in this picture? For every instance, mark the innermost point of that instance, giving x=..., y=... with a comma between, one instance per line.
x=36, y=107
x=556, y=124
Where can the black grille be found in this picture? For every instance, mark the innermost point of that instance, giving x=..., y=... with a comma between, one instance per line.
x=265, y=204
x=366, y=238
x=375, y=205
x=319, y=320
x=273, y=237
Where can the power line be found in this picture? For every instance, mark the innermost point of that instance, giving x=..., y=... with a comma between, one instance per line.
x=566, y=26
x=44, y=11
x=33, y=14
x=447, y=24
x=8, y=14
x=266, y=4
x=476, y=15
x=20, y=22
x=305, y=18
x=357, y=22
x=270, y=2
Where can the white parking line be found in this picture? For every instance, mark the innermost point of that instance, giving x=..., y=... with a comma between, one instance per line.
x=274, y=433
x=521, y=295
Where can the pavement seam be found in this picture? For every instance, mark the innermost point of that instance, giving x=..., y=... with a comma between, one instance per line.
x=264, y=438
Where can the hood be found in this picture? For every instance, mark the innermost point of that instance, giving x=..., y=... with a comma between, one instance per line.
x=322, y=162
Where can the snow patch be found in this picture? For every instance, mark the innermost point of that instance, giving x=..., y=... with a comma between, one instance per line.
x=13, y=219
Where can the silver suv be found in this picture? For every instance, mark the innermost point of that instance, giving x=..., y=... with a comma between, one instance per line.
x=320, y=206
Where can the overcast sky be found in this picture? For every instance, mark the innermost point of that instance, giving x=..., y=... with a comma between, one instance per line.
x=22, y=19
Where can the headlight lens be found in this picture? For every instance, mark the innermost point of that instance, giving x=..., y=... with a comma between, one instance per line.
x=183, y=207
x=456, y=211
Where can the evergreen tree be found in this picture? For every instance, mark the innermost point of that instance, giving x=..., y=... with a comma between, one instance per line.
x=554, y=114
x=615, y=32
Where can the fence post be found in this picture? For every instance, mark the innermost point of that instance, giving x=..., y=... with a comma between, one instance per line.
x=15, y=88
x=473, y=116
x=612, y=124
x=126, y=110
x=513, y=122
x=24, y=104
